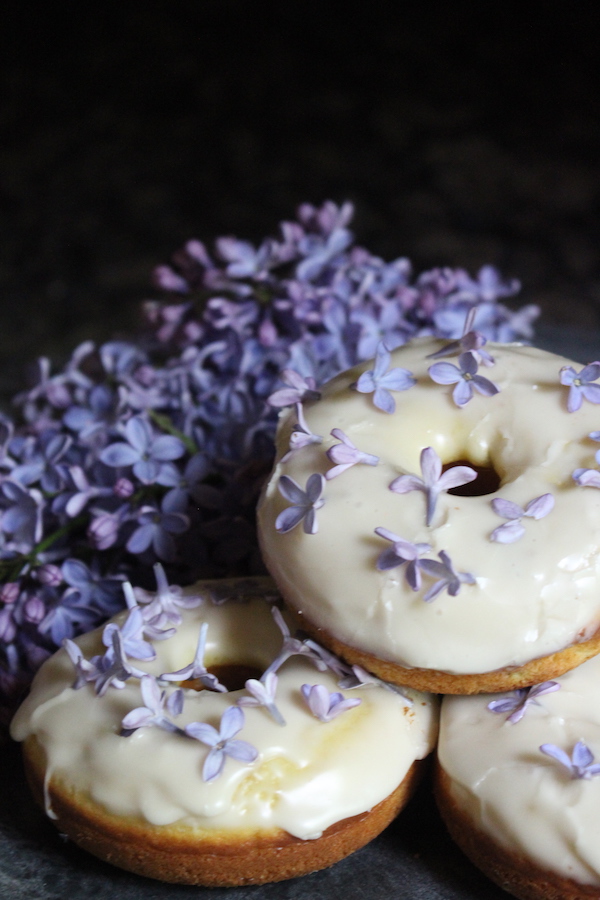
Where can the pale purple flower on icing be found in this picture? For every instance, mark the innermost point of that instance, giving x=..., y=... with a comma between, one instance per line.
x=448, y=578
x=305, y=503
x=196, y=670
x=470, y=340
x=579, y=765
x=520, y=699
x=580, y=385
x=262, y=693
x=399, y=553
x=434, y=481
x=222, y=742
x=325, y=706
x=165, y=603
x=85, y=669
x=295, y=646
x=359, y=677
x=114, y=668
x=346, y=454
x=464, y=376
x=157, y=702
x=132, y=635
x=513, y=530
x=301, y=435
x=297, y=390
x=380, y=380
x=589, y=477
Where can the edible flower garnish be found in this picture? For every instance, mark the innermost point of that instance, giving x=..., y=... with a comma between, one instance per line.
x=464, y=376
x=513, y=530
x=262, y=693
x=196, y=670
x=380, y=380
x=399, y=553
x=113, y=668
x=326, y=706
x=305, y=503
x=301, y=435
x=222, y=742
x=297, y=390
x=520, y=699
x=470, y=340
x=449, y=579
x=359, y=677
x=346, y=454
x=579, y=765
x=132, y=635
x=580, y=385
x=295, y=646
x=164, y=604
x=433, y=482
x=153, y=713
x=589, y=477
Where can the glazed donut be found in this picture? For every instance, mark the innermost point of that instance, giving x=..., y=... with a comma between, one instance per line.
x=519, y=788
x=147, y=760
x=510, y=574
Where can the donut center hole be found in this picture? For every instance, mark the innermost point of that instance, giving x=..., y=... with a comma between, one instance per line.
x=232, y=675
x=487, y=481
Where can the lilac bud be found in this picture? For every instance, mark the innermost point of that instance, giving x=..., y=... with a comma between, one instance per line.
x=8, y=629
x=103, y=531
x=49, y=574
x=124, y=488
x=34, y=610
x=9, y=592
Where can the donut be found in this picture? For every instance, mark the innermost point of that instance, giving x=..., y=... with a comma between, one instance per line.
x=434, y=520
x=153, y=743
x=518, y=784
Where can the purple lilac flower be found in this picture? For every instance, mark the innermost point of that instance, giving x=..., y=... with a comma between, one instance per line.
x=304, y=503
x=581, y=762
x=399, y=553
x=298, y=390
x=513, y=530
x=156, y=529
x=380, y=380
x=325, y=706
x=346, y=454
x=580, y=385
x=262, y=693
x=589, y=477
x=294, y=646
x=301, y=435
x=470, y=340
x=132, y=636
x=448, y=578
x=221, y=742
x=196, y=670
x=114, y=669
x=359, y=677
x=516, y=705
x=144, y=451
x=159, y=708
x=433, y=481
x=464, y=376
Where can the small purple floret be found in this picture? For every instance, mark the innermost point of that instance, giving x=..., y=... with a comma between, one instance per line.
x=346, y=454
x=448, y=578
x=380, y=380
x=579, y=765
x=305, y=503
x=517, y=703
x=580, y=385
x=399, y=553
x=464, y=376
x=221, y=742
x=513, y=530
x=298, y=389
x=433, y=482
x=262, y=693
x=326, y=706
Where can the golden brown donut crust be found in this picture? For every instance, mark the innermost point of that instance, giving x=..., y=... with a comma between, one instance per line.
x=435, y=681
x=182, y=854
x=511, y=871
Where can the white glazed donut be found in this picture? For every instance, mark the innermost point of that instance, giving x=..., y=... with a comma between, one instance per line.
x=122, y=776
x=533, y=607
x=530, y=821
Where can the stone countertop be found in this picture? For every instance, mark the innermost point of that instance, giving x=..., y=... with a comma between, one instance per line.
x=133, y=128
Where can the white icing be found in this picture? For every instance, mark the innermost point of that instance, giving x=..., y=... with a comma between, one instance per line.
x=521, y=798
x=531, y=598
x=308, y=774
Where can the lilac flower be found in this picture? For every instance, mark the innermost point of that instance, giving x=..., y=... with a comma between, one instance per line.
x=305, y=503
x=196, y=670
x=132, y=636
x=464, y=376
x=513, y=530
x=157, y=702
x=86, y=670
x=301, y=435
x=40, y=464
x=294, y=646
x=262, y=693
x=470, y=340
x=114, y=668
x=433, y=482
x=399, y=553
x=325, y=706
x=380, y=380
x=587, y=477
x=579, y=765
x=346, y=454
x=167, y=600
x=580, y=385
x=23, y=518
x=156, y=529
x=517, y=704
x=298, y=390
x=146, y=452
x=359, y=677
x=449, y=579
x=222, y=742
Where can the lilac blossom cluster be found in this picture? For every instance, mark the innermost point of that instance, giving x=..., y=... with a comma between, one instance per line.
x=155, y=448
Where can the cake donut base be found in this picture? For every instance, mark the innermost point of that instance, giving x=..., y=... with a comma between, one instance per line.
x=438, y=682
x=187, y=855
x=511, y=871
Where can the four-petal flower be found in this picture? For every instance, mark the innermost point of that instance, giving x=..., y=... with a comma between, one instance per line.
x=433, y=482
x=464, y=376
x=581, y=762
x=380, y=380
x=580, y=385
x=222, y=742
x=304, y=503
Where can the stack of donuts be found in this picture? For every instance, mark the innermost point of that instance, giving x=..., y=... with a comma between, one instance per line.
x=432, y=526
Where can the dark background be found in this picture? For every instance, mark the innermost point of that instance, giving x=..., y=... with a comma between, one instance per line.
x=464, y=132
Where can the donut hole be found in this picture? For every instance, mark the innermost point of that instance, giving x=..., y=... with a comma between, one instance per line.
x=232, y=675
x=487, y=481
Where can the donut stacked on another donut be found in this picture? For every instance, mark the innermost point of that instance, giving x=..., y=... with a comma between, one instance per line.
x=444, y=592
x=142, y=757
